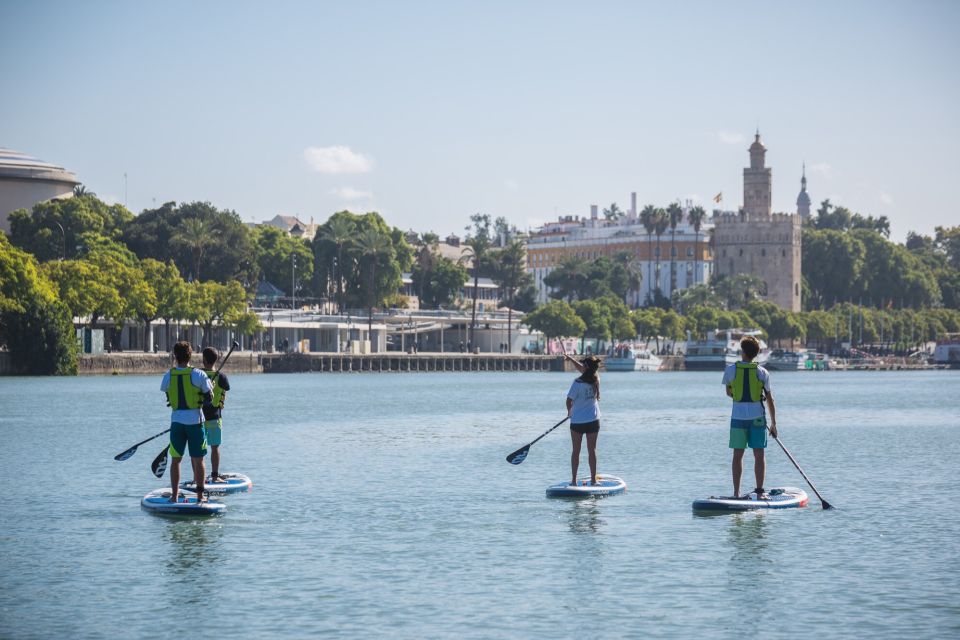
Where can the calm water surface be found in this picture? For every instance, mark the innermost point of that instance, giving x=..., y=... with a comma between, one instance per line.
x=383, y=507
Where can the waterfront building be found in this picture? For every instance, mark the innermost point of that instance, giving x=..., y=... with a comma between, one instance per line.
x=590, y=238
x=25, y=181
x=759, y=242
x=293, y=226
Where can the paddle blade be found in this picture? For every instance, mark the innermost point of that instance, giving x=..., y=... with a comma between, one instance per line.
x=126, y=455
x=826, y=505
x=159, y=464
x=519, y=455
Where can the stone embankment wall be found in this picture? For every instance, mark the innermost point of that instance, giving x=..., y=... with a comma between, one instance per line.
x=671, y=363
x=156, y=363
x=393, y=362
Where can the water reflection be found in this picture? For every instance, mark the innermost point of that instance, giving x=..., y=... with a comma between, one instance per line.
x=583, y=516
x=194, y=558
x=750, y=567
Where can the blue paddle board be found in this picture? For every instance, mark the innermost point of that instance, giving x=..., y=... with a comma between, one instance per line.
x=158, y=501
x=777, y=498
x=229, y=483
x=607, y=486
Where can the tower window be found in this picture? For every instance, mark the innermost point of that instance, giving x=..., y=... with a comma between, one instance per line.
x=724, y=253
x=741, y=253
x=783, y=252
x=763, y=252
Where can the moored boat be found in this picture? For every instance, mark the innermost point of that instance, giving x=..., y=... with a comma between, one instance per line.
x=721, y=348
x=631, y=358
x=947, y=350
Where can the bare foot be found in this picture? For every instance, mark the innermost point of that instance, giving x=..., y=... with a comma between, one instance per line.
x=174, y=498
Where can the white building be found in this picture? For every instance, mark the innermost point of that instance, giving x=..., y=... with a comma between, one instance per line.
x=25, y=181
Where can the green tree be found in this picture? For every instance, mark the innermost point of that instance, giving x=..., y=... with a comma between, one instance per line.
x=613, y=212
x=338, y=233
x=282, y=257
x=833, y=265
x=674, y=217
x=374, y=246
x=212, y=303
x=661, y=222
x=555, y=319
x=628, y=271
x=739, y=290
x=570, y=280
x=439, y=281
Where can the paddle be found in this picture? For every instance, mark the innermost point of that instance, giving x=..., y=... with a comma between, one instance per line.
x=132, y=450
x=826, y=505
x=159, y=464
x=520, y=454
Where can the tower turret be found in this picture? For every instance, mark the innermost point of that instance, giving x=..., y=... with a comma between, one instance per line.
x=803, y=200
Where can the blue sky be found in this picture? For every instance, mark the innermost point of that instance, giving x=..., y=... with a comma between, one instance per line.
x=429, y=112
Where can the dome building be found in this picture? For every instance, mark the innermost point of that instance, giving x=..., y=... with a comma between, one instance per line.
x=25, y=181
x=803, y=200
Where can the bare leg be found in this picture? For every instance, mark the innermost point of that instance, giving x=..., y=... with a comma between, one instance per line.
x=592, y=455
x=576, y=437
x=198, y=474
x=175, y=478
x=759, y=467
x=737, y=471
x=214, y=461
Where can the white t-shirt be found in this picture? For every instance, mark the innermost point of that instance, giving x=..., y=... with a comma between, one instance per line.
x=586, y=407
x=747, y=410
x=198, y=379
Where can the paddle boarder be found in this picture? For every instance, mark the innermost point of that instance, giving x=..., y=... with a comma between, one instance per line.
x=212, y=413
x=583, y=407
x=748, y=384
x=187, y=389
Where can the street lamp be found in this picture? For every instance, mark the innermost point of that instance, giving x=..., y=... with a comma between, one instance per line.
x=273, y=337
x=63, y=253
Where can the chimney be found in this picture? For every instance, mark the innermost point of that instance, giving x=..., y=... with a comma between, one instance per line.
x=633, y=204
x=593, y=212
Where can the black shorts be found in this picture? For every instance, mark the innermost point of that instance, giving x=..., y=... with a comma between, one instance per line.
x=586, y=427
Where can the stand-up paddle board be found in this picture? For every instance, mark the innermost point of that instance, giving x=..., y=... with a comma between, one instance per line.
x=607, y=486
x=158, y=501
x=778, y=498
x=228, y=483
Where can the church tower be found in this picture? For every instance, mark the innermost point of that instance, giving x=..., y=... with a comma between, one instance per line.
x=759, y=242
x=803, y=200
x=757, y=183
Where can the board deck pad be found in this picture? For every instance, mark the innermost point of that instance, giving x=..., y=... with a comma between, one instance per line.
x=607, y=486
x=158, y=501
x=233, y=483
x=776, y=498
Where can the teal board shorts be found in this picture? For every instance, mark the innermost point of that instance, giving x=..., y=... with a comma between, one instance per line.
x=214, y=429
x=748, y=433
x=183, y=436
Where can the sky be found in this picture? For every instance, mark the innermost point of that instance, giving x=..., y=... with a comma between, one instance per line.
x=429, y=112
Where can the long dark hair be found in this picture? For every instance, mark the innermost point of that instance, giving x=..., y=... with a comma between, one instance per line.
x=591, y=366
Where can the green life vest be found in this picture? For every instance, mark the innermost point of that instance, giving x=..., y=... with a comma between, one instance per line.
x=181, y=393
x=218, y=392
x=746, y=384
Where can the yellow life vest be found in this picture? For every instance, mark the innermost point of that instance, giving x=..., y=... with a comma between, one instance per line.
x=746, y=384
x=218, y=392
x=181, y=393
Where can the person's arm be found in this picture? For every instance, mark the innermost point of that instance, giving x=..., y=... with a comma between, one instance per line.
x=580, y=367
x=569, y=406
x=773, y=414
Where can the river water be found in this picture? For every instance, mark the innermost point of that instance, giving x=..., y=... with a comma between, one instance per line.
x=383, y=507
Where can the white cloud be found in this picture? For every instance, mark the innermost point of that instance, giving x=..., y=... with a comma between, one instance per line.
x=730, y=137
x=822, y=168
x=886, y=198
x=349, y=193
x=337, y=159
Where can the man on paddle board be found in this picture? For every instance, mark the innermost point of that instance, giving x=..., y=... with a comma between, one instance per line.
x=187, y=389
x=212, y=413
x=749, y=385
x=583, y=407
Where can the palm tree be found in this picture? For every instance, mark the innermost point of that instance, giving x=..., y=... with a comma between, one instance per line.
x=196, y=233
x=695, y=217
x=373, y=244
x=427, y=258
x=648, y=219
x=614, y=212
x=510, y=273
x=661, y=221
x=339, y=232
x=477, y=250
x=674, y=217
x=81, y=190
x=633, y=272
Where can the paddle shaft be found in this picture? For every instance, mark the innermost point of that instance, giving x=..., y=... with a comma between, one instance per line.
x=549, y=430
x=131, y=450
x=824, y=503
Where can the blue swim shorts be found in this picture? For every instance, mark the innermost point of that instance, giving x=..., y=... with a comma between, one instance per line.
x=184, y=435
x=748, y=433
x=214, y=429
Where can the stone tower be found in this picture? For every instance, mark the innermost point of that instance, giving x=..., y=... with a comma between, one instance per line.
x=758, y=242
x=757, y=182
x=803, y=200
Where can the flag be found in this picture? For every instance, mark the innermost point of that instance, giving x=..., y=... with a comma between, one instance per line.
x=717, y=198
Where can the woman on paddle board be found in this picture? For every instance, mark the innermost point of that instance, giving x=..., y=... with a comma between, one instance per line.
x=583, y=407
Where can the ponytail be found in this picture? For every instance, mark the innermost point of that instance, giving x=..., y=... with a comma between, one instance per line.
x=589, y=375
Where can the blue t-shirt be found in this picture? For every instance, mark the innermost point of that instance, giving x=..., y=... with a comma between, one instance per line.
x=198, y=379
x=586, y=407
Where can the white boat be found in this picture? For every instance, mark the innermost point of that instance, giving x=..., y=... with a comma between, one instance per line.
x=722, y=347
x=630, y=358
x=781, y=360
x=947, y=350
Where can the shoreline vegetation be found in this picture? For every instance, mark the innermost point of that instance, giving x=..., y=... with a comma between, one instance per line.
x=82, y=263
